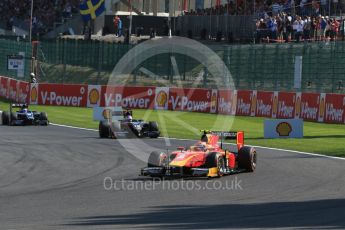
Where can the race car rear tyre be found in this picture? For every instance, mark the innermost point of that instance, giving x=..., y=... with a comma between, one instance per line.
x=131, y=131
x=247, y=158
x=215, y=159
x=104, y=129
x=153, y=126
x=5, y=118
x=43, y=116
x=157, y=159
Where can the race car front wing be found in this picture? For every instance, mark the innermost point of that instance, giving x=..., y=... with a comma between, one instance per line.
x=185, y=172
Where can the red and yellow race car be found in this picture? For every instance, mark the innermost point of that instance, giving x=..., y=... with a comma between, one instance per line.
x=206, y=158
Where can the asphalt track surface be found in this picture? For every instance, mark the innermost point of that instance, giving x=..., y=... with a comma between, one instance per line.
x=53, y=178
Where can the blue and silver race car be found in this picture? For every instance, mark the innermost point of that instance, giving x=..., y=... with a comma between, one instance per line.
x=127, y=127
x=24, y=116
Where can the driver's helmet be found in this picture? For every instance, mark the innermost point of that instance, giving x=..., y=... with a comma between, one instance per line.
x=25, y=110
x=127, y=114
x=129, y=117
x=200, y=147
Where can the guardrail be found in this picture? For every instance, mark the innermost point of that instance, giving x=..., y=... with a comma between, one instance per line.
x=316, y=107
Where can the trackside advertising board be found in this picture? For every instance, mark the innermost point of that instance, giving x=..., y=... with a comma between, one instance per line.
x=334, y=108
x=14, y=90
x=264, y=104
x=62, y=95
x=283, y=128
x=191, y=100
x=286, y=105
x=23, y=92
x=227, y=101
x=128, y=97
x=317, y=107
x=244, y=102
x=308, y=106
x=3, y=87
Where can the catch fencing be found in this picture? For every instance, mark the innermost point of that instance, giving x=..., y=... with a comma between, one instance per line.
x=252, y=67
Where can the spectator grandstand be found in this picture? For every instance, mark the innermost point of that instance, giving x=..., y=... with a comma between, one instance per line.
x=277, y=20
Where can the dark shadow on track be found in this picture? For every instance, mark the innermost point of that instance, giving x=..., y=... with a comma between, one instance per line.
x=308, y=214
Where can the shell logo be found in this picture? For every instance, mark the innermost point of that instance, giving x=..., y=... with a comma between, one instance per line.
x=322, y=108
x=161, y=98
x=284, y=129
x=254, y=101
x=33, y=94
x=213, y=101
x=234, y=102
x=94, y=97
x=275, y=105
x=106, y=114
x=298, y=107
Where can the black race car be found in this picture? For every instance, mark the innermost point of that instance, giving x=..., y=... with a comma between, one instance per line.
x=128, y=127
x=24, y=116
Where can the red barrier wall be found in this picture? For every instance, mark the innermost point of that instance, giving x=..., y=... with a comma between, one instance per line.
x=334, y=109
x=264, y=102
x=321, y=107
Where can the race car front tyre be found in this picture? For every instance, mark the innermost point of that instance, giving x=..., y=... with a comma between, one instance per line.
x=115, y=128
x=157, y=159
x=43, y=116
x=44, y=119
x=5, y=118
x=215, y=159
x=104, y=129
x=153, y=127
x=247, y=158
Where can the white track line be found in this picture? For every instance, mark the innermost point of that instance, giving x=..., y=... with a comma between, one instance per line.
x=181, y=139
x=72, y=127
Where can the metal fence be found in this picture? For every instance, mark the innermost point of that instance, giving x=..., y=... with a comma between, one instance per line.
x=230, y=28
x=12, y=47
x=260, y=66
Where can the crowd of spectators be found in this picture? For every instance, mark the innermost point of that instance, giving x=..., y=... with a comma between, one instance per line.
x=284, y=28
x=45, y=13
x=260, y=7
x=285, y=20
x=307, y=21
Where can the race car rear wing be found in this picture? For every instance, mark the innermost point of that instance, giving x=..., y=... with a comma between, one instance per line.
x=107, y=113
x=228, y=135
x=22, y=106
x=18, y=105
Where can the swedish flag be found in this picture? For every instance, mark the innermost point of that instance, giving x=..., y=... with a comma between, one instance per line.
x=91, y=9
